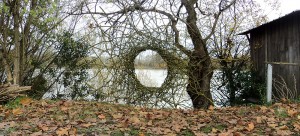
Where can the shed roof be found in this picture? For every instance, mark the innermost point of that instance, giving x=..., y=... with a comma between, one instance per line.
x=271, y=22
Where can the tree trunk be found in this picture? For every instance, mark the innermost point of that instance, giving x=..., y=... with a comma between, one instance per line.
x=200, y=74
x=4, y=33
x=16, y=16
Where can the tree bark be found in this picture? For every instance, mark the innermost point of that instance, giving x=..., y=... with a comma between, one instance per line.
x=16, y=17
x=4, y=21
x=25, y=42
x=198, y=87
x=200, y=71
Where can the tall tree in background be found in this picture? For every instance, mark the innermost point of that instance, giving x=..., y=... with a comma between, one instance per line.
x=236, y=82
x=20, y=20
x=27, y=32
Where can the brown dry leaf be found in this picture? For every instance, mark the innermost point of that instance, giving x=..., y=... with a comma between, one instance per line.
x=240, y=122
x=73, y=131
x=92, y=120
x=250, y=126
x=292, y=112
x=101, y=116
x=150, y=123
x=284, y=132
x=67, y=103
x=223, y=134
x=263, y=108
x=213, y=130
x=26, y=126
x=64, y=108
x=258, y=120
x=43, y=127
x=233, y=121
x=271, y=120
x=141, y=134
x=86, y=125
x=211, y=107
x=135, y=120
x=25, y=101
x=52, y=128
x=3, y=125
x=284, y=127
x=62, y=131
x=283, y=100
x=171, y=134
x=39, y=133
x=176, y=127
x=273, y=125
x=17, y=111
x=44, y=103
x=237, y=134
x=296, y=127
x=117, y=116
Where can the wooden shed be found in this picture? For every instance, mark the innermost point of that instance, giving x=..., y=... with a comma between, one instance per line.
x=278, y=43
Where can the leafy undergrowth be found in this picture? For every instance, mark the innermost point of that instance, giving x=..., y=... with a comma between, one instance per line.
x=45, y=117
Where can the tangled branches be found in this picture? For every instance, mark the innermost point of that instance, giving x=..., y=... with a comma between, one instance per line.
x=123, y=86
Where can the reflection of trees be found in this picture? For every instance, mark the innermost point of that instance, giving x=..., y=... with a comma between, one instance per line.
x=151, y=60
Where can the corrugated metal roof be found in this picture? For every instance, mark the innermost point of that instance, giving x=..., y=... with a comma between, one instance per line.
x=271, y=22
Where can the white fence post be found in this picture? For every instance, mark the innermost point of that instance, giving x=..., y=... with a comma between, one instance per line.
x=269, y=82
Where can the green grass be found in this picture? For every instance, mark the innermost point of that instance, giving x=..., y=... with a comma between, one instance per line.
x=14, y=103
x=206, y=129
x=186, y=133
x=281, y=113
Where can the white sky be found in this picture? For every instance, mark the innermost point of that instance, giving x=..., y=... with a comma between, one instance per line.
x=286, y=7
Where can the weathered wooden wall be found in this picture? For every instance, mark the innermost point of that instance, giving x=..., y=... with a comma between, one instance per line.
x=278, y=41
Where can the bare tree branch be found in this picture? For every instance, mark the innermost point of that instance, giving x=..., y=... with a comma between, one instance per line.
x=138, y=7
x=216, y=16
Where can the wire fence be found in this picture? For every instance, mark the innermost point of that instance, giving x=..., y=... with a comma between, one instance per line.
x=283, y=87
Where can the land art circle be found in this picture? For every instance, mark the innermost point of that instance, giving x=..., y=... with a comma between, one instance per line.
x=166, y=56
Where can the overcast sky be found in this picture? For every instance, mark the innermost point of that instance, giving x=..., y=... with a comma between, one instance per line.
x=287, y=6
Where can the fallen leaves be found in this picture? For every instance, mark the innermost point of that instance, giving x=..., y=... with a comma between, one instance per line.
x=25, y=101
x=17, y=111
x=101, y=116
x=292, y=112
x=211, y=107
x=250, y=126
x=79, y=117
x=43, y=127
x=63, y=131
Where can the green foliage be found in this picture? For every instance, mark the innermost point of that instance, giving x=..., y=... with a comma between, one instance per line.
x=74, y=74
x=241, y=87
x=4, y=8
x=39, y=85
x=70, y=50
x=117, y=133
x=187, y=133
x=281, y=113
x=14, y=103
x=206, y=129
x=252, y=88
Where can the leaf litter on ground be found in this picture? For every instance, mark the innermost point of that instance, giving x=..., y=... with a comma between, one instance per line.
x=47, y=117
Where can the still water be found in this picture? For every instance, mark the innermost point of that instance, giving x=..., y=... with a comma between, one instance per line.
x=150, y=78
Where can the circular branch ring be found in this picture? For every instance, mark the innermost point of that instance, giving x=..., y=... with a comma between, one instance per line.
x=166, y=56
